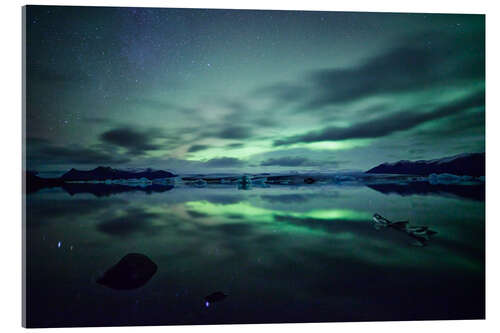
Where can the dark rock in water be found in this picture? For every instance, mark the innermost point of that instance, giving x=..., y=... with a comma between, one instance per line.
x=131, y=272
x=215, y=297
x=309, y=180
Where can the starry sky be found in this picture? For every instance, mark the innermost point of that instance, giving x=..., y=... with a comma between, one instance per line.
x=197, y=90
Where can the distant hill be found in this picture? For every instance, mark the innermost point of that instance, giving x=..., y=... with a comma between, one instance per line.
x=35, y=183
x=463, y=164
x=103, y=173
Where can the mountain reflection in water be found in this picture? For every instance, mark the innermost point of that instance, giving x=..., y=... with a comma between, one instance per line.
x=282, y=253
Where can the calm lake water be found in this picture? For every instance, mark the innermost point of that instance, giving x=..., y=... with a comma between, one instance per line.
x=281, y=254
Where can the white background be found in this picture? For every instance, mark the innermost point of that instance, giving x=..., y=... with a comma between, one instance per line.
x=10, y=159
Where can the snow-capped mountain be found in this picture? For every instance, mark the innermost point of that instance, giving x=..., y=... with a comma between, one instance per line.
x=472, y=164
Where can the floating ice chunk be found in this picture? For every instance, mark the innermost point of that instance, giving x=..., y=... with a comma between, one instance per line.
x=259, y=180
x=444, y=178
x=421, y=234
x=197, y=183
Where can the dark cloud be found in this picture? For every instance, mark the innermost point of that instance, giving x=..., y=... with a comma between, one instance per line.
x=235, y=145
x=238, y=108
x=224, y=162
x=461, y=125
x=283, y=92
x=81, y=155
x=195, y=148
x=196, y=215
x=98, y=120
x=183, y=166
x=41, y=152
x=291, y=161
x=241, y=113
x=235, y=229
x=137, y=142
x=419, y=62
x=386, y=125
x=265, y=122
x=235, y=132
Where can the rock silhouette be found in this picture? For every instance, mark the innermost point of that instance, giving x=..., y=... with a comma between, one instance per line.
x=309, y=180
x=131, y=272
x=217, y=296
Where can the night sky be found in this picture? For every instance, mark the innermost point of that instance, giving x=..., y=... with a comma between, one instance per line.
x=233, y=90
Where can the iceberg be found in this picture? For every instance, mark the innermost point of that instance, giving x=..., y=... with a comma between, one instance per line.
x=446, y=178
x=421, y=234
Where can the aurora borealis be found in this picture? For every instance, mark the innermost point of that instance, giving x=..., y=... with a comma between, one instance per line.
x=234, y=90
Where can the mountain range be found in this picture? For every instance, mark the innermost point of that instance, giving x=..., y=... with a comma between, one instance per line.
x=103, y=173
x=472, y=164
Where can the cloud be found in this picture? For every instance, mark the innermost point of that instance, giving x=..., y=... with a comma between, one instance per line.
x=235, y=132
x=288, y=161
x=283, y=92
x=195, y=148
x=98, y=120
x=386, y=125
x=235, y=145
x=235, y=229
x=223, y=162
x=137, y=142
x=41, y=152
x=265, y=122
x=196, y=215
x=158, y=105
x=461, y=125
x=414, y=63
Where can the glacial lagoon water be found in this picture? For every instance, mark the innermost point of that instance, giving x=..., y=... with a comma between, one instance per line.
x=279, y=253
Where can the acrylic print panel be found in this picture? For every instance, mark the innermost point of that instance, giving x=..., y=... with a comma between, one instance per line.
x=193, y=166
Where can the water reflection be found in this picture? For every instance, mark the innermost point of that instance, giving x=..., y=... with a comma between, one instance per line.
x=102, y=190
x=474, y=192
x=283, y=254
